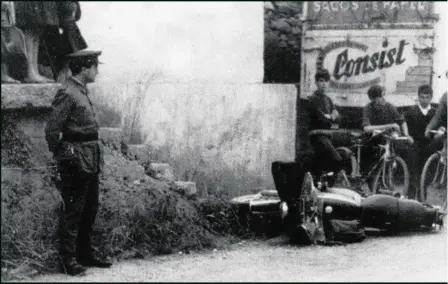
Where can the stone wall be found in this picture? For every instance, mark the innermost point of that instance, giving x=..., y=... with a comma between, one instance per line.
x=25, y=109
x=282, y=29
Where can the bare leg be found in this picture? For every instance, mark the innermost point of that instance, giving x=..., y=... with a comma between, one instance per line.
x=32, y=50
x=6, y=78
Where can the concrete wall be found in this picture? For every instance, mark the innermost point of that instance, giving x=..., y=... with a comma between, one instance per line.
x=233, y=128
x=206, y=106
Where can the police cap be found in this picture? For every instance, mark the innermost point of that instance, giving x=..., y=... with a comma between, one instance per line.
x=87, y=56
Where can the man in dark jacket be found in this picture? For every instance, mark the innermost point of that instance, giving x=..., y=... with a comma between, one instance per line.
x=323, y=115
x=417, y=118
x=72, y=137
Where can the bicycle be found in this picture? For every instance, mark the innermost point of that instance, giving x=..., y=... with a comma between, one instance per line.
x=434, y=175
x=385, y=171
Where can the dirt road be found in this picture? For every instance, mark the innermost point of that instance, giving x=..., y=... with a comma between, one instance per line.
x=409, y=257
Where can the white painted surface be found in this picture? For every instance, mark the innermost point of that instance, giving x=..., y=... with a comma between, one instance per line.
x=186, y=41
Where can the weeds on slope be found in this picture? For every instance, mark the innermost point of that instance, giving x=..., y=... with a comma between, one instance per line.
x=138, y=217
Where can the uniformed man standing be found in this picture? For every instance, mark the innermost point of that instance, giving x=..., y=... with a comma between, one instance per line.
x=72, y=137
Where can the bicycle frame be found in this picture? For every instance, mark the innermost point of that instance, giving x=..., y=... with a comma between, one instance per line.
x=443, y=156
x=440, y=172
x=389, y=152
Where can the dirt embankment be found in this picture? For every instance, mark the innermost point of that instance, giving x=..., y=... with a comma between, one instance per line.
x=139, y=216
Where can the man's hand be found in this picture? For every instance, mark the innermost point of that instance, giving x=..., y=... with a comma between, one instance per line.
x=334, y=114
x=328, y=116
x=441, y=131
x=427, y=133
x=410, y=139
x=395, y=126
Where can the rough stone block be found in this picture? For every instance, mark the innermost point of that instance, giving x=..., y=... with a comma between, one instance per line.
x=414, y=78
x=139, y=152
x=406, y=90
x=17, y=96
x=282, y=26
x=419, y=70
x=161, y=171
x=268, y=6
x=412, y=84
x=187, y=188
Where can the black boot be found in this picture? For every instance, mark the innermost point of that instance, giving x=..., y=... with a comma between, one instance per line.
x=91, y=261
x=72, y=267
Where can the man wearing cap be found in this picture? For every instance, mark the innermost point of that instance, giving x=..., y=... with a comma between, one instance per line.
x=72, y=137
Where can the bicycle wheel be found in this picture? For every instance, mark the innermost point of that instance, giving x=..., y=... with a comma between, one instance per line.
x=398, y=175
x=393, y=175
x=433, y=181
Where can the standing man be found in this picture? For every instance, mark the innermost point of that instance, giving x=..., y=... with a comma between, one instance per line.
x=72, y=137
x=438, y=121
x=323, y=115
x=417, y=118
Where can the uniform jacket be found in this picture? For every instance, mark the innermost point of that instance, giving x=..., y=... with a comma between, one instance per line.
x=73, y=114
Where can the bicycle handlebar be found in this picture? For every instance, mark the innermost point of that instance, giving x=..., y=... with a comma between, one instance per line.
x=400, y=138
x=389, y=134
x=335, y=131
x=437, y=132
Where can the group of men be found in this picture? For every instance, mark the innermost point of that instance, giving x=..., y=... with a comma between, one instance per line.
x=379, y=115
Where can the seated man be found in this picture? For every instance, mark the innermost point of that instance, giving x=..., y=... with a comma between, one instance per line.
x=380, y=115
x=323, y=115
x=417, y=118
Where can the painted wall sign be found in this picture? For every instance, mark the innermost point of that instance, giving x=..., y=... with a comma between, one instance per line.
x=350, y=63
x=358, y=59
x=363, y=14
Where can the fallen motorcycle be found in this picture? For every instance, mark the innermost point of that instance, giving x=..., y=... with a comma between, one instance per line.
x=315, y=213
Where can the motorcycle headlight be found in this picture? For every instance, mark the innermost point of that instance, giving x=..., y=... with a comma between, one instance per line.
x=283, y=209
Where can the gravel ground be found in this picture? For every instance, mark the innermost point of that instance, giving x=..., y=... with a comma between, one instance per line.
x=406, y=257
